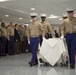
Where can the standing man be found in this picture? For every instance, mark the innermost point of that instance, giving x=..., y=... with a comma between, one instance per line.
x=0, y=38
x=69, y=31
x=16, y=40
x=46, y=33
x=11, y=38
x=65, y=16
x=56, y=33
x=20, y=29
x=64, y=58
x=46, y=28
x=4, y=39
x=25, y=40
x=34, y=29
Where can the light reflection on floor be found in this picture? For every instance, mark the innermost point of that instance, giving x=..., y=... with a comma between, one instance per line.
x=18, y=65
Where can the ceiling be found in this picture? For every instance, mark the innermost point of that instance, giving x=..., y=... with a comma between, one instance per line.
x=22, y=8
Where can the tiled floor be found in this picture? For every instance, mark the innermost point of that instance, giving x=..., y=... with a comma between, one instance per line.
x=18, y=65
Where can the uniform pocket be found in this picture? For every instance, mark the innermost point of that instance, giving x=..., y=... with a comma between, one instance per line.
x=36, y=26
x=45, y=27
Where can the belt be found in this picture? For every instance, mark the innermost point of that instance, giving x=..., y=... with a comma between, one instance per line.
x=34, y=36
x=74, y=32
x=70, y=33
x=11, y=35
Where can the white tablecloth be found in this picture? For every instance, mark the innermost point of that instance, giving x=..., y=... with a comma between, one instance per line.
x=52, y=49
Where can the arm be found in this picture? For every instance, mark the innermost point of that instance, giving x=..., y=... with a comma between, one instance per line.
x=50, y=30
x=28, y=33
x=14, y=36
x=63, y=29
x=41, y=29
x=59, y=30
x=8, y=33
x=0, y=32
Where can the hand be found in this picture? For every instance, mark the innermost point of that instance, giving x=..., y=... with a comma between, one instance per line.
x=8, y=39
x=62, y=37
x=28, y=42
x=44, y=38
x=16, y=40
x=53, y=37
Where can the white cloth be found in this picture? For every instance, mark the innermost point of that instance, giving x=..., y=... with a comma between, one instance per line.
x=53, y=42
x=64, y=57
x=52, y=49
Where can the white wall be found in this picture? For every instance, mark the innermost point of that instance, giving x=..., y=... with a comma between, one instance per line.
x=56, y=27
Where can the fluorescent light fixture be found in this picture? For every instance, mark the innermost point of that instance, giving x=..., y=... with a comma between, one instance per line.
x=3, y=0
x=21, y=11
x=6, y=15
x=60, y=19
x=32, y=8
x=53, y=16
x=20, y=18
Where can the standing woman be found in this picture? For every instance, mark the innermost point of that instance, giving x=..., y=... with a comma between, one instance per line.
x=4, y=39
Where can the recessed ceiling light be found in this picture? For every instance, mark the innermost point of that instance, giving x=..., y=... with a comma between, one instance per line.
x=32, y=8
x=60, y=19
x=51, y=15
x=20, y=18
x=6, y=15
x=3, y=0
x=21, y=11
x=30, y=20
